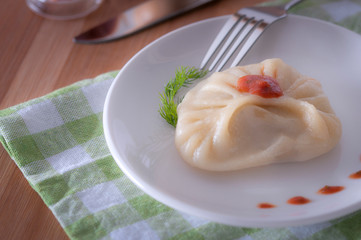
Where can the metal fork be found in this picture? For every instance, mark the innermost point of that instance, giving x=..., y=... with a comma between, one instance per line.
x=239, y=34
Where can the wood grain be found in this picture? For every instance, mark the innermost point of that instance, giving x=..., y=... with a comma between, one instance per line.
x=38, y=56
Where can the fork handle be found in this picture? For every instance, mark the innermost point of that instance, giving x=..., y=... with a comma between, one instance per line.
x=291, y=4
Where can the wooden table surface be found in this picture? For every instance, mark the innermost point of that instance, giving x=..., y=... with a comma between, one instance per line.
x=37, y=56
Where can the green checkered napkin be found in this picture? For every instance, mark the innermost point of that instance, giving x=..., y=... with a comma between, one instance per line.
x=57, y=141
x=346, y=13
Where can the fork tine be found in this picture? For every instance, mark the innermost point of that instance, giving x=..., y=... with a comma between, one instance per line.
x=220, y=38
x=249, y=43
x=239, y=34
x=238, y=28
x=249, y=29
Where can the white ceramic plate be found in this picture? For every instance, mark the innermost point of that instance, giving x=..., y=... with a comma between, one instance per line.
x=143, y=146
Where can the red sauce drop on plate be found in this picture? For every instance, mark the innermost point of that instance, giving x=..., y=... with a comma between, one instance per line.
x=266, y=205
x=298, y=200
x=355, y=175
x=330, y=189
x=261, y=85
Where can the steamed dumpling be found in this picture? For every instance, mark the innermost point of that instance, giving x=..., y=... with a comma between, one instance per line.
x=220, y=128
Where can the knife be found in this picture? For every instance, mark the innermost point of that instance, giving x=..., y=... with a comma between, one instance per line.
x=136, y=19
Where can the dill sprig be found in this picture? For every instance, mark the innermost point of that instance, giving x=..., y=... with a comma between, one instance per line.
x=184, y=76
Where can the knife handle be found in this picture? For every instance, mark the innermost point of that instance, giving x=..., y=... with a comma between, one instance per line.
x=138, y=18
x=155, y=11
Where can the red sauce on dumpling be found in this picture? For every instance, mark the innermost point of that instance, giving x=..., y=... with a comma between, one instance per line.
x=261, y=85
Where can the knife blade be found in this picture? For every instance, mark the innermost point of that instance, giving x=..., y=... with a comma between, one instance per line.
x=136, y=19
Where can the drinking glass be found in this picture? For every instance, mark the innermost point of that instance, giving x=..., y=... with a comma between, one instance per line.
x=63, y=9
